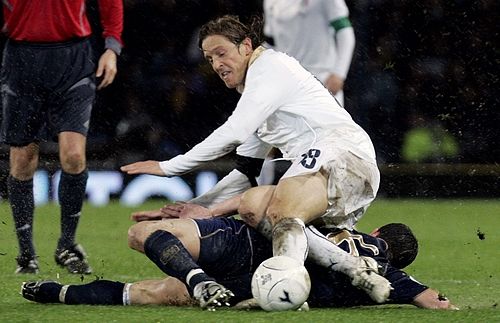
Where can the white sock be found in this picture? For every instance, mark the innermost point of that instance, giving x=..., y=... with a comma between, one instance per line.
x=126, y=294
x=325, y=253
x=289, y=239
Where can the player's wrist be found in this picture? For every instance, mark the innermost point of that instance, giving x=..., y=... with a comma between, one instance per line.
x=113, y=44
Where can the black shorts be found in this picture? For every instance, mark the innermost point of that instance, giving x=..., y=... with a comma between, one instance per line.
x=46, y=89
x=230, y=251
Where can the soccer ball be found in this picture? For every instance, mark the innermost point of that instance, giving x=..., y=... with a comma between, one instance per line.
x=280, y=283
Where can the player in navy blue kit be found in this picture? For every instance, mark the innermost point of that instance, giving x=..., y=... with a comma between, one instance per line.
x=394, y=249
x=214, y=249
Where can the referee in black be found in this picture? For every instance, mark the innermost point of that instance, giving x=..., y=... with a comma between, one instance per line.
x=48, y=83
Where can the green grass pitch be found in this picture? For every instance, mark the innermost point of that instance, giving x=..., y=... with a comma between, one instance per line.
x=459, y=256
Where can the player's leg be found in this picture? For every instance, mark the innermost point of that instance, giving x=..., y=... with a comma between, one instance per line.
x=296, y=200
x=184, y=230
x=68, y=119
x=231, y=251
x=174, y=246
x=363, y=272
x=352, y=186
x=71, y=192
x=321, y=250
x=99, y=292
x=253, y=211
x=23, y=163
x=22, y=120
x=253, y=207
x=168, y=291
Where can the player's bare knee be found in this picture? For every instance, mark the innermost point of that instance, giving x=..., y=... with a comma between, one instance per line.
x=137, y=234
x=23, y=162
x=22, y=173
x=73, y=162
x=247, y=214
x=274, y=214
x=245, y=203
x=245, y=210
x=249, y=218
x=253, y=204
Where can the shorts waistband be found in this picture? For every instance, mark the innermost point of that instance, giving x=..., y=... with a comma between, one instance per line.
x=73, y=41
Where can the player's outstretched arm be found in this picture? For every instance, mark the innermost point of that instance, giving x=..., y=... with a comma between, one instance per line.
x=183, y=210
x=431, y=299
x=143, y=167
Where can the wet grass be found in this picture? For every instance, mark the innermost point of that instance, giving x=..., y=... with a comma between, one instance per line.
x=459, y=243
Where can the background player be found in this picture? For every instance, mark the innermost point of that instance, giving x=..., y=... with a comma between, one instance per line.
x=318, y=33
x=48, y=88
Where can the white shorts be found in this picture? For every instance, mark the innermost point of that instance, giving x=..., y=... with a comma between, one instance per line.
x=352, y=183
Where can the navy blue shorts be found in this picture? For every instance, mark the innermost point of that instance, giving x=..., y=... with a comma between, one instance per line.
x=46, y=89
x=230, y=251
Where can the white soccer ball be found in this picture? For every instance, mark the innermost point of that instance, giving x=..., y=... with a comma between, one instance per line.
x=281, y=283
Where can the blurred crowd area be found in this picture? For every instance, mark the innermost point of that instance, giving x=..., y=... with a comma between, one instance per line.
x=423, y=82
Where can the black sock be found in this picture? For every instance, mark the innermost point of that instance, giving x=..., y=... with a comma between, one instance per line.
x=99, y=292
x=170, y=255
x=22, y=204
x=71, y=195
x=49, y=292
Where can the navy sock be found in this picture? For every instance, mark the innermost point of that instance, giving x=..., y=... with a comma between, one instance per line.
x=49, y=292
x=71, y=195
x=22, y=204
x=99, y=292
x=170, y=255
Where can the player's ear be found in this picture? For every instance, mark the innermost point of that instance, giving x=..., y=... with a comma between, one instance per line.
x=247, y=45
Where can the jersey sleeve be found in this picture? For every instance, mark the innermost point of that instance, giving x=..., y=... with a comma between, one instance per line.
x=111, y=12
x=254, y=147
x=231, y=185
x=405, y=287
x=335, y=10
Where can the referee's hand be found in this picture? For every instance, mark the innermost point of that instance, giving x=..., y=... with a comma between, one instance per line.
x=106, y=68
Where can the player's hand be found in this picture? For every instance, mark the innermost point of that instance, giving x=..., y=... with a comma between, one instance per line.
x=184, y=210
x=106, y=68
x=144, y=167
x=151, y=215
x=431, y=299
x=334, y=83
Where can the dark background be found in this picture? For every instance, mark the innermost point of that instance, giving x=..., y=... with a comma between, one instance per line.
x=416, y=64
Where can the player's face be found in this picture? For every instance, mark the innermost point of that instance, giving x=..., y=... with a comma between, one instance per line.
x=229, y=60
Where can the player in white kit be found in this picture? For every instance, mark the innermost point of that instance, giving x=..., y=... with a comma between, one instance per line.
x=334, y=175
x=318, y=33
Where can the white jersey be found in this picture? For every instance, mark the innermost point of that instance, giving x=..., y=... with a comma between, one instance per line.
x=302, y=29
x=283, y=106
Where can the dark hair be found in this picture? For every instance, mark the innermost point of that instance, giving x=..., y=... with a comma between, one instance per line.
x=233, y=29
x=402, y=245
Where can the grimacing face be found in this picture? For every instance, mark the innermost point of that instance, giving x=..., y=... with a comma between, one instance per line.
x=228, y=60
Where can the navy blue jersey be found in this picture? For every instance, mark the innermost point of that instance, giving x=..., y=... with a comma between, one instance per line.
x=230, y=251
x=334, y=289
